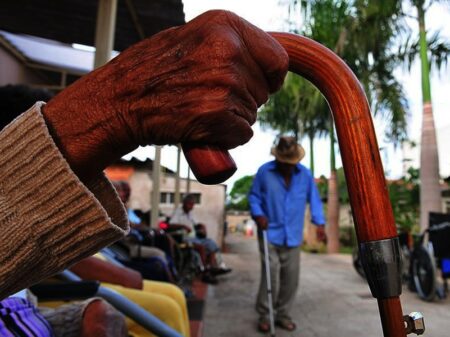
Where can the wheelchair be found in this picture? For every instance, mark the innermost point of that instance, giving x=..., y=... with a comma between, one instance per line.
x=430, y=259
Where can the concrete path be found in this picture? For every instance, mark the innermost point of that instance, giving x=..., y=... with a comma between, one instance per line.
x=333, y=301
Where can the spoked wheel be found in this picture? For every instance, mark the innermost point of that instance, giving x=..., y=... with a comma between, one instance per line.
x=424, y=273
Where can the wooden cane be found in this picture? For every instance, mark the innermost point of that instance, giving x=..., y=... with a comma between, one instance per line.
x=372, y=212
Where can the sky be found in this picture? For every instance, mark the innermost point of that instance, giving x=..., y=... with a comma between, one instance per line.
x=270, y=16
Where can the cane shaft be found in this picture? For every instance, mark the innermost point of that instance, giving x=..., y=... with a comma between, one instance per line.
x=390, y=309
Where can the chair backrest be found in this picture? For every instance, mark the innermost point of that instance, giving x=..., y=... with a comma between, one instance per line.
x=439, y=233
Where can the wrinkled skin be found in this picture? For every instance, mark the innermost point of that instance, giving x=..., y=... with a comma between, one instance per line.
x=201, y=82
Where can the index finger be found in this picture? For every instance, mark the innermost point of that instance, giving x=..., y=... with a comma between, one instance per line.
x=267, y=52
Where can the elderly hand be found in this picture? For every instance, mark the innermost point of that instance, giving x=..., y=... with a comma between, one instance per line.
x=261, y=222
x=197, y=83
x=321, y=234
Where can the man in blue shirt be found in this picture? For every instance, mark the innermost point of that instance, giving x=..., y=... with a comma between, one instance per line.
x=278, y=198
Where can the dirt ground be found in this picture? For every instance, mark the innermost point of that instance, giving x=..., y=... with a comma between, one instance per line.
x=332, y=299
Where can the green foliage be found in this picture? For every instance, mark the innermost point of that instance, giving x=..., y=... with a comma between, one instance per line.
x=347, y=236
x=342, y=186
x=405, y=199
x=322, y=186
x=404, y=195
x=297, y=108
x=439, y=51
x=364, y=33
x=239, y=193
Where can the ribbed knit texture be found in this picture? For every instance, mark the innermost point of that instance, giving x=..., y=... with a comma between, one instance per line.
x=48, y=218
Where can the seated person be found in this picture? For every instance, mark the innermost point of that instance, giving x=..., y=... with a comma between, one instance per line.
x=136, y=226
x=182, y=219
x=137, y=241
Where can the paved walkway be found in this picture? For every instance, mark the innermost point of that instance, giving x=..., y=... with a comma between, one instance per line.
x=333, y=301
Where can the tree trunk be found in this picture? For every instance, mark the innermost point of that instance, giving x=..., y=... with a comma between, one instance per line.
x=333, y=202
x=430, y=192
x=311, y=153
x=333, y=214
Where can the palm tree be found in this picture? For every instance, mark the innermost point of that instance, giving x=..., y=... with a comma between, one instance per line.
x=430, y=191
x=317, y=27
x=361, y=32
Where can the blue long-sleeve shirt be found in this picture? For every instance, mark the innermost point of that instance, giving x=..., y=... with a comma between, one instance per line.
x=284, y=207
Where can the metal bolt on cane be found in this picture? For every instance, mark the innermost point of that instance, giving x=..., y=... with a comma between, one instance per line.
x=414, y=323
x=269, y=284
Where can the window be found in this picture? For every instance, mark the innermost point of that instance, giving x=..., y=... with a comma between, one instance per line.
x=169, y=197
x=163, y=198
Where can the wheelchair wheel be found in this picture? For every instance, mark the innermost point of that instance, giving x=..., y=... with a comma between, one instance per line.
x=424, y=273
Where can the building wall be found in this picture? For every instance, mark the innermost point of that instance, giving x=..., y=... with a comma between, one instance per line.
x=236, y=219
x=446, y=204
x=12, y=71
x=141, y=190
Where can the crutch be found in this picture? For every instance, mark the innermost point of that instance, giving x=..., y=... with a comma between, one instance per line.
x=269, y=284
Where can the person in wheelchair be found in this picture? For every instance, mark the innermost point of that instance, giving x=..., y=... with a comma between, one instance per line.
x=141, y=244
x=195, y=234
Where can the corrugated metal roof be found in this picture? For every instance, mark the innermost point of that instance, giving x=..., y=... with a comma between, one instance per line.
x=73, y=21
x=52, y=53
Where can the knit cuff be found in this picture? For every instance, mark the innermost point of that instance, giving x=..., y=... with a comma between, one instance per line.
x=48, y=218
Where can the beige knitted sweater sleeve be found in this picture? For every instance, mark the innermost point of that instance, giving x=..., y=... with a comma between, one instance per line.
x=48, y=218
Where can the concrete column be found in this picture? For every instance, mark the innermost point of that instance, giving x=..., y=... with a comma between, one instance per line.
x=188, y=181
x=177, y=179
x=156, y=175
x=104, y=34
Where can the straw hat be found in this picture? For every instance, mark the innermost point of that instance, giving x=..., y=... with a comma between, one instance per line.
x=288, y=151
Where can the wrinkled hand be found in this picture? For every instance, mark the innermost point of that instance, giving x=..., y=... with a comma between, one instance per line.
x=197, y=83
x=261, y=222
x=321, y=234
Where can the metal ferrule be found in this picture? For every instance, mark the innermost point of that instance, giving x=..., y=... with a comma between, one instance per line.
x=382, y=264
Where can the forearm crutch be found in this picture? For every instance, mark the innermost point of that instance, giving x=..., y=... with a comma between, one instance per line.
x=372, y=211
x=268, y=284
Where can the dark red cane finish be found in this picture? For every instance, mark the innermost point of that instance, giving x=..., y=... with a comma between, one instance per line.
x=364, y=173
x=210, y=166
x=390, y=309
